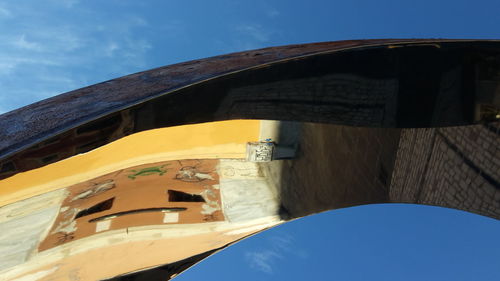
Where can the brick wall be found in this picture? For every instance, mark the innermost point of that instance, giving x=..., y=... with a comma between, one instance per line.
x=455, y=167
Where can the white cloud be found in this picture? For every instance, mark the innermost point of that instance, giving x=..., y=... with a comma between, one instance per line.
x=249, y=36
x=272, y=12
x=283, y=242
x=22, y=43
x=42, y=55
x=110, y=48
x=7, y=67
x=255, y=32
x=5, y=13
x=265, y=260
x=67, y=3
x=10, y=64
x=137, y=47
x=137, y=21
x=268, y=10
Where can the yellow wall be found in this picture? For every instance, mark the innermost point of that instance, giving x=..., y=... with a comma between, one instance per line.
x=225, y=139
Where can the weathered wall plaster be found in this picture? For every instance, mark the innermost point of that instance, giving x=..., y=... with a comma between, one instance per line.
x=246, y=194
x=23, y=224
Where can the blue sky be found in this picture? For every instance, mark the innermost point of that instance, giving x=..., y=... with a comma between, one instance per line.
x=53, y=46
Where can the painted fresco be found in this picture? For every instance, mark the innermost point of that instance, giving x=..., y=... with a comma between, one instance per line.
x=170, y=192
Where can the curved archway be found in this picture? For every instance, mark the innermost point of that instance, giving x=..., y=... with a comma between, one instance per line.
x=386, y=241
x=145, y=161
